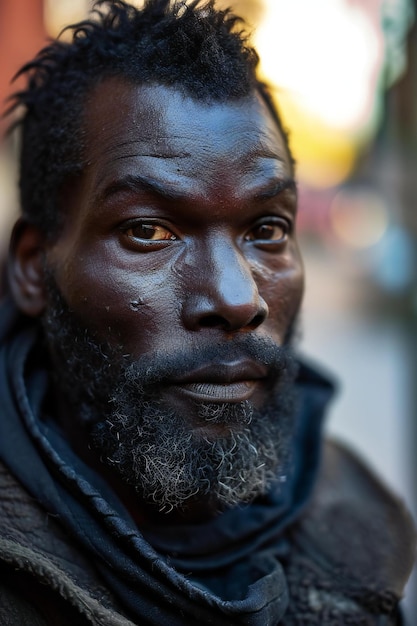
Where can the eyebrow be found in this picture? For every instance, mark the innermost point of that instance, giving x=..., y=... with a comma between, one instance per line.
x=140, y=183
x=277, y=188
x=137, y=183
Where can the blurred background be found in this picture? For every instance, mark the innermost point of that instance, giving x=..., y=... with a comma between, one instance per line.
x=344, y=74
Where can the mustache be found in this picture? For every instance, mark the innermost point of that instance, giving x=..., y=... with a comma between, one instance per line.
x=107, y=367
x=159, y=367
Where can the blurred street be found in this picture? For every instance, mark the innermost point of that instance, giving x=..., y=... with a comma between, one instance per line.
x=373, y=410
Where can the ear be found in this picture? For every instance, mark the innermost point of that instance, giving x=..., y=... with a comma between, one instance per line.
x=26, y=268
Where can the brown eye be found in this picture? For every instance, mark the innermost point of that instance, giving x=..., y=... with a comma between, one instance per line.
x=150, y=232
x=275, y=231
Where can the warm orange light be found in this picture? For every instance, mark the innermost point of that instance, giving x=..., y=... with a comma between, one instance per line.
x=326, y=57
x=327, y=53
x=325, y=156
x=60, y=13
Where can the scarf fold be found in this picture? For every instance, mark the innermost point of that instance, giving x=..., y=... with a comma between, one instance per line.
x=228, y=570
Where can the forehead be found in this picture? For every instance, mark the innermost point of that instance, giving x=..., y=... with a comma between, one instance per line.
x=172, y=132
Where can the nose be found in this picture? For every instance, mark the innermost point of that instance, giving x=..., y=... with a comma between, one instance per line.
x=224, y=293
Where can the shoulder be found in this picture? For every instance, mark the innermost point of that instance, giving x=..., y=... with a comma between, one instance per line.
x=354, y=548
x=358, y=521
x=42, y=572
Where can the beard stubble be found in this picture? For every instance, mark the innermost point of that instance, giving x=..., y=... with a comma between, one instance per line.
x=118, y=402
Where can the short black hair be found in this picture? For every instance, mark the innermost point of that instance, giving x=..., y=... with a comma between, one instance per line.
x=194, y=47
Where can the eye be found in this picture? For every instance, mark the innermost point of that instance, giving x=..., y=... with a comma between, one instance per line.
x=149, y=232
x=146, y=234
x=273, y=230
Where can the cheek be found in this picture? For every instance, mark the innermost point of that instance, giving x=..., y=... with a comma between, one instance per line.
x=282, y=288
x=284, y=297
x=131, y=306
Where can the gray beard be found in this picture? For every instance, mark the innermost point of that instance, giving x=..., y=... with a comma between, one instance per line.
x=153, y=447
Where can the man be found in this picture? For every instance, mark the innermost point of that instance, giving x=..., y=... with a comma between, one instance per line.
x=160, y=441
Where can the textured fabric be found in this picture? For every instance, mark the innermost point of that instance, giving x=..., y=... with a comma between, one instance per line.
x=344, y=581
x=352, y=552
x=245, y=567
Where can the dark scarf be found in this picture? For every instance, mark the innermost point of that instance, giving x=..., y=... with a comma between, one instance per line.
x=228, y=570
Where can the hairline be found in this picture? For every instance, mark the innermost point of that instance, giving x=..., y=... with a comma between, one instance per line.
x=258, y=89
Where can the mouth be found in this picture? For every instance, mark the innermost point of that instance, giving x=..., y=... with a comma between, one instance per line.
x=222, y=382
x=217, y=392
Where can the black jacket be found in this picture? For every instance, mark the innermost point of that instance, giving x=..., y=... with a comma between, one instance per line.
x=333, y=547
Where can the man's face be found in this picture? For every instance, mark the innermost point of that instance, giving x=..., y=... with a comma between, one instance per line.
x=180, y=235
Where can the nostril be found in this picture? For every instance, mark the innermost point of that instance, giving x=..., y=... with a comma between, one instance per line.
x=217, y=321
x=256, y=321
x=213, y=321
x=200, y=312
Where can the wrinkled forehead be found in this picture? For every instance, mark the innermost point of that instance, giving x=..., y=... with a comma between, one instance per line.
x=159, y=122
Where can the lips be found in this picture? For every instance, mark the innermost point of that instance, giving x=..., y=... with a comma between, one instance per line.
x=229, y=392
x=222, y=382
